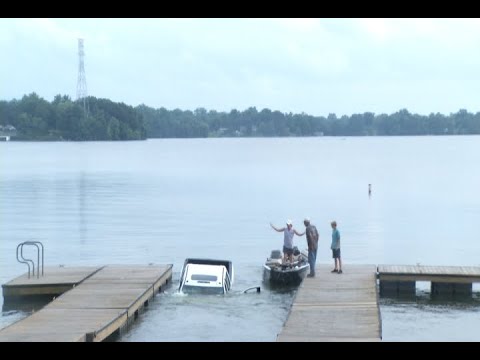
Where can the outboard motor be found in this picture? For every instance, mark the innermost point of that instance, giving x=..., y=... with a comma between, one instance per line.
x=276, y=254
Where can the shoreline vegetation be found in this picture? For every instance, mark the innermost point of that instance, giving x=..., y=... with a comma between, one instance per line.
x=33, y=118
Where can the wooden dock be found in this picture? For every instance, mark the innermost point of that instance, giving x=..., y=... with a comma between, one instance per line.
x=335, y=307
x=56, y=281
x=106, y=300
x=445, y=280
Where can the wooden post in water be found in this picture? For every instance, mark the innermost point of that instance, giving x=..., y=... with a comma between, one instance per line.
x=397, y=288
x=451, y=289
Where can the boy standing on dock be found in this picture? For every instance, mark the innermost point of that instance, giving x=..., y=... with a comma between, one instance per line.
x=336, y=248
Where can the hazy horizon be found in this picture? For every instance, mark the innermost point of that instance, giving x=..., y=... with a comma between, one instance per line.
x=314, y=66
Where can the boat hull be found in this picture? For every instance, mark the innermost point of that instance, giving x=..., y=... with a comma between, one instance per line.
x=285, y=276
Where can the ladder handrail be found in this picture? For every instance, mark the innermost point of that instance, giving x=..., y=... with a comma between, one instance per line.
x=36, y=243
x=33, y=262
x=38, y=258
x=22, y=259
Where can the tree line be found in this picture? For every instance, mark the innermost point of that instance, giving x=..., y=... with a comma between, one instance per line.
x=63, y=119
x=34, y=118
x=162, y=123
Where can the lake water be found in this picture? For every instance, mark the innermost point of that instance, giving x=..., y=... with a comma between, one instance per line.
x=161, y=201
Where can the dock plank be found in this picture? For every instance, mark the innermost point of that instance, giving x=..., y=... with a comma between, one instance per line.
x=55, y=275
x=55, y=281
x=335, y=307
x=447, y=274
x=60, y=325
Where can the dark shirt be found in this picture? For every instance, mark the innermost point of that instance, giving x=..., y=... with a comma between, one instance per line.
x=312, y=237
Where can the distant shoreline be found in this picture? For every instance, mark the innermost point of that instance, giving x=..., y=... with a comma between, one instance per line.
x=35, y=119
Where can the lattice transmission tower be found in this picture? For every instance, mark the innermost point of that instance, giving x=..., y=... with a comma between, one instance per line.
x=82, y=80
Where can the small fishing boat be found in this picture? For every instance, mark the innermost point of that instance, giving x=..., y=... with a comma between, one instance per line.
x=277, y=272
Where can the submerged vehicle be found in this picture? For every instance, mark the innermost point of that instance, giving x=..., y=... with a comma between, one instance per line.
x=277, y=272
x=206, y=276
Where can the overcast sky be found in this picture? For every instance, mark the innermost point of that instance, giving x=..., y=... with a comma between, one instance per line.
x=316, y=66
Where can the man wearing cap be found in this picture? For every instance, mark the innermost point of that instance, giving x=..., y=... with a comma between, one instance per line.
x=312, y=242
x=288, y=233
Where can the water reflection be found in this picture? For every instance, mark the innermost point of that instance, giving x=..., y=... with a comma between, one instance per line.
x=82, y=209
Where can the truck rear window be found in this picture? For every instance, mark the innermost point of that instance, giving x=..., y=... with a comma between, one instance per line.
x=204, y=277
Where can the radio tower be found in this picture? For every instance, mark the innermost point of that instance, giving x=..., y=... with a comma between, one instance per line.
x=82, y=81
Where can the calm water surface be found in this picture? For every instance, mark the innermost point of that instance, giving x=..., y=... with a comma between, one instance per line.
x=160, y=201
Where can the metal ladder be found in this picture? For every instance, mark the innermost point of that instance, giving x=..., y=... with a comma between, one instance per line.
x=23, y=260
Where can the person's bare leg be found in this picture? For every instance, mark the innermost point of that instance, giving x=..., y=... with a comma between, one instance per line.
x=340, y=266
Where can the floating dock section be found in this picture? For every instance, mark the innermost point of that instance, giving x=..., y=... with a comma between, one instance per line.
x=98, y=302
x=401, y=280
